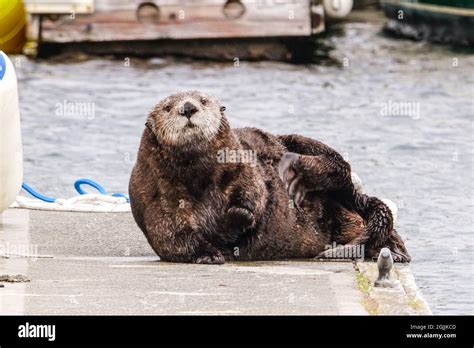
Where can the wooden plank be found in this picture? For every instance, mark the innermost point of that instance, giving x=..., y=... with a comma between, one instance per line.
x=59, y=6
x=117, y=21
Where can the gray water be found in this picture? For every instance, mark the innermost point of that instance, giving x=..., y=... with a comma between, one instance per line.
x=421, y=158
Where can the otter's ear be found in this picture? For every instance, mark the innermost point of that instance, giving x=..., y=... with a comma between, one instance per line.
x=223, y=108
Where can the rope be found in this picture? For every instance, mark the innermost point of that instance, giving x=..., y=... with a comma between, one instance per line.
x=85, y=202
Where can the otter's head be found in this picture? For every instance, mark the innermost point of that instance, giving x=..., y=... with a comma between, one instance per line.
x=187, y=119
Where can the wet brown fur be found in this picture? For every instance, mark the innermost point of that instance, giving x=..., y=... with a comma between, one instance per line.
x=192, y=208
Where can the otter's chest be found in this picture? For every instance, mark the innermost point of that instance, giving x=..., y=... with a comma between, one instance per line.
x=202, y=212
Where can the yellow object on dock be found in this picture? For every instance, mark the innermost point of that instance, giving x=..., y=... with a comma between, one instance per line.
x=12, y=26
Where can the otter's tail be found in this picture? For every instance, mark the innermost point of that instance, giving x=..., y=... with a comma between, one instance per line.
x=378, y=218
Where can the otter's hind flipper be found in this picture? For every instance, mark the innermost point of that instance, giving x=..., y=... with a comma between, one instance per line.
x=304, y=173
x=379, y=231
x=397, y=247
x=312, y=166
x=307, y=146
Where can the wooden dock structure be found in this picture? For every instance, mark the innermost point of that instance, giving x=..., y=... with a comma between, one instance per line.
x=155, y=24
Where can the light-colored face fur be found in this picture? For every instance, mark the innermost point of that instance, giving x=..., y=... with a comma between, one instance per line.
x=184, y=118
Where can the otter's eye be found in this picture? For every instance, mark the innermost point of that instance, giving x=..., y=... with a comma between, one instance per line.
x=168, y=108
x=203, y=101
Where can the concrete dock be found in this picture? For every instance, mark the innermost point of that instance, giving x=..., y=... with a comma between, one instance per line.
x=100, y=263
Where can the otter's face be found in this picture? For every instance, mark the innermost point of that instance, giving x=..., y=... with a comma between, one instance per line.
x=184, y=118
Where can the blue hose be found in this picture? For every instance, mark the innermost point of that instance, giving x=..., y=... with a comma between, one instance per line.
x=79, y=182
x=35, y=194
x=77, y=186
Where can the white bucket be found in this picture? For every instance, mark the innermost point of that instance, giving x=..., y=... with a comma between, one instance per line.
x=337, y=9
x=11, y=156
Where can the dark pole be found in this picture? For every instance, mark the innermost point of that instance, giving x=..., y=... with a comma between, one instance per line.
x=40, y=29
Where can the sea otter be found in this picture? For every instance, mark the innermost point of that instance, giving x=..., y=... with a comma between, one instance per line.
x=205, y=193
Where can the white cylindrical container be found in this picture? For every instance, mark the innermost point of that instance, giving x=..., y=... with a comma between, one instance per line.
x=337, y=9
x=11, y=155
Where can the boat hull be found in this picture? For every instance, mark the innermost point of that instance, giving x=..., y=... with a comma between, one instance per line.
x=431, y=20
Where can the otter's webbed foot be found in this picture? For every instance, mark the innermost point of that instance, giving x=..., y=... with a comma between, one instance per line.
x=208, y=254
x=211, y=258
x=292, y=179
x=396, y=246
x=399, y=256
x=240, y=218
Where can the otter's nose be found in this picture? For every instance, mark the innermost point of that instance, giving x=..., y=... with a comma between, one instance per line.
x=188, y=109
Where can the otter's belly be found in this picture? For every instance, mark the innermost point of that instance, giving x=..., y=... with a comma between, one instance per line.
x=285, y=230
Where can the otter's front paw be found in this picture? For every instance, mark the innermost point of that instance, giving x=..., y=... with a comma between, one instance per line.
x=214, y=258
x=288, y=172
x=240, y=217
x=399, y=256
